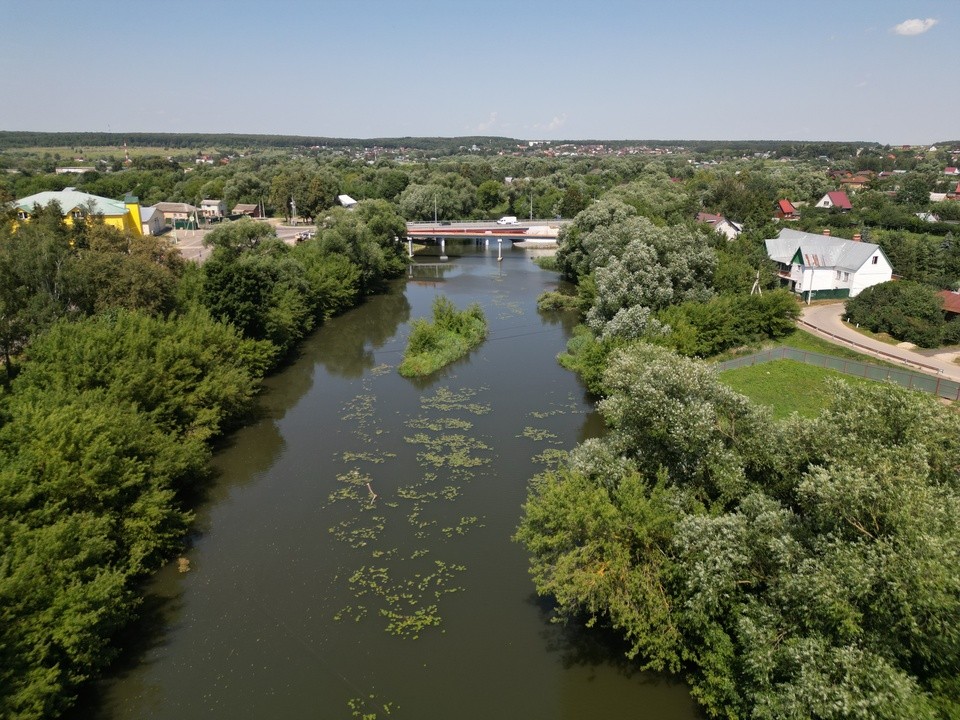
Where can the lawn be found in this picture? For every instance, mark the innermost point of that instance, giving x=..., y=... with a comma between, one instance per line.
x=786, y=386
x=802, y=340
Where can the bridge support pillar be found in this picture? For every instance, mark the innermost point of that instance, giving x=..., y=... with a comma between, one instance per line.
x=443, y=249
x=499, y=250
x=409, y=248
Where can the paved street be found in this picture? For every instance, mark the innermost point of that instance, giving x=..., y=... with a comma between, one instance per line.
x=190, y=242
x=826, y=321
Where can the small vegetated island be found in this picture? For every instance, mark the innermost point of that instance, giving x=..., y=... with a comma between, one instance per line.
x=450, y=336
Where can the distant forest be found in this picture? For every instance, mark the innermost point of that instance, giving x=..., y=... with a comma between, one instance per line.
x=441, y=145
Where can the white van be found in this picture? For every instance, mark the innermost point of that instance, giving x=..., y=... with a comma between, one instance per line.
x=507, y=220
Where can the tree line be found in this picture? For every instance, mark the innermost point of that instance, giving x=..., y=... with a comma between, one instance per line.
x=789, y=568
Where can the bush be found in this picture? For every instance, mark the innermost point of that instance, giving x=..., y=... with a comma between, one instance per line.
x=553, y=301
x=905, y=310
x=449, y=337
x=708, y=328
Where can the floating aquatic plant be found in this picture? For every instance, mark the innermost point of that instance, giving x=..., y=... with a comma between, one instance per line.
x=445, y=399
x=537, y=434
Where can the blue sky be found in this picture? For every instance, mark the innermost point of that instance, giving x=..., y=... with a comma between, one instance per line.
x=670, y=69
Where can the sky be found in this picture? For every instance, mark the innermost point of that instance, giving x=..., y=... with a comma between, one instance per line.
x=873, y=70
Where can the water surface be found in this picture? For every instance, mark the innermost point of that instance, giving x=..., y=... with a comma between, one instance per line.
x=310, y=598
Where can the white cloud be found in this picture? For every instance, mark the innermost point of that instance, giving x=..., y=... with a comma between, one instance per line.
x=488, y=125
x=555, y=123
x=914, y=26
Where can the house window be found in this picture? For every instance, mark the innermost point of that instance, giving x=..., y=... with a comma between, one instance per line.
x=77, y=214
x=838, y=274
x=873, y=260
x=22, y=215
x=846, y=276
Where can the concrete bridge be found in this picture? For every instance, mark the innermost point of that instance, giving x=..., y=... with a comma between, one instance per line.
x=533, y=230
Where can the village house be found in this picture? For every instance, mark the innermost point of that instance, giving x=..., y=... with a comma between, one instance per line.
x=821, y=266
x=856, y=182
x=785, y=210
x=246, y=209
x=213, y=209
x=835, y=199
x=176, y=214
x=727, y=228
x=951, y=303
x=151, y=221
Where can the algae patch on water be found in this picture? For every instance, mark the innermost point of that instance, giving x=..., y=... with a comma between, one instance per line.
x=403, y=586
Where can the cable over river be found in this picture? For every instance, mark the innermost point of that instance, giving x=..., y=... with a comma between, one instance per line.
x=354, y=554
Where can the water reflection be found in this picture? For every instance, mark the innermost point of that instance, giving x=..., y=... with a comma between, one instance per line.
x=359, y=333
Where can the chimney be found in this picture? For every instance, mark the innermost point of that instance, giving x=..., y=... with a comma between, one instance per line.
x=826, y=231
x=856, y=237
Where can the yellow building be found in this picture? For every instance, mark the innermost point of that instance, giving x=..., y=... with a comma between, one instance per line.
x=75, y=205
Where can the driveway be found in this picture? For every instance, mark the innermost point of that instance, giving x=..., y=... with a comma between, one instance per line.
x=826, y=321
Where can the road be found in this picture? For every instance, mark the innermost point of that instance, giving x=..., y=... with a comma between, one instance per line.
x=190, y=242
x=826, y=321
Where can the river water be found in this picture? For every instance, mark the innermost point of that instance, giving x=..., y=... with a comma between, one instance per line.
x=312, y=594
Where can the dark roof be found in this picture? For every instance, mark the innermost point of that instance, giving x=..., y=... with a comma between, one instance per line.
x=709, y=218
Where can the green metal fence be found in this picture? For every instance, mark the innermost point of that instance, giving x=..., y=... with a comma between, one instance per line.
x=939, y=386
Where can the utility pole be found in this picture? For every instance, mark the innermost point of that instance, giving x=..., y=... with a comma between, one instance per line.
x=531, y=204
x=434, y=208
x=293, y=212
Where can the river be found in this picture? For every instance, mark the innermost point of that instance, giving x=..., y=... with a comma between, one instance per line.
x=312, y=594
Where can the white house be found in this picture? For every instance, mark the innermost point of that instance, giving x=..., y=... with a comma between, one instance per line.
x=727, y=228
x=346, y=201
x=152, y=221
x=822, y=266
x=211, y=209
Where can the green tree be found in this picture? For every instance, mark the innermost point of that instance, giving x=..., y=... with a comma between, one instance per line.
x=489, y=195
x=797, y=569
x=573, y=201
x=238, y=236
x=906, y=310
x=369, y=236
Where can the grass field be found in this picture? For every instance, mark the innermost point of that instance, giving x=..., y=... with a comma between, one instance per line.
x=802, y=340
x=787, y=386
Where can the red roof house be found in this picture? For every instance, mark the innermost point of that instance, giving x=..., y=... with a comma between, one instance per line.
x=785, y=210
x=951, y=301
x=835, y=199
